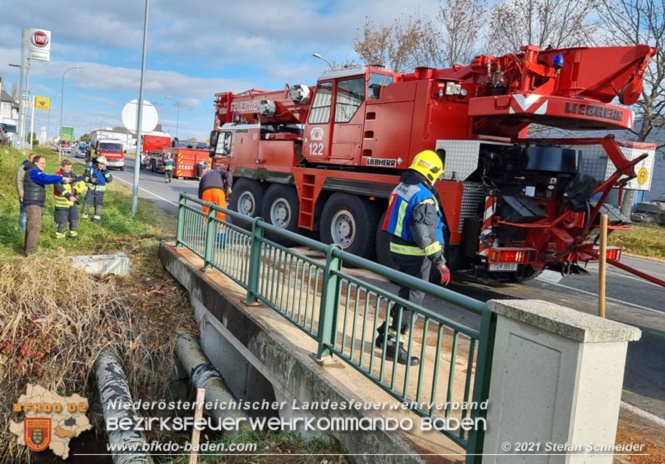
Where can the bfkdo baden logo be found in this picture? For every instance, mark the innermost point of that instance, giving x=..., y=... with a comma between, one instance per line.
x=50, y=420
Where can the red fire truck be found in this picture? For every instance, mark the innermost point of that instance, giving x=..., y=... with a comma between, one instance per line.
x=324, y=158
x=152, y=146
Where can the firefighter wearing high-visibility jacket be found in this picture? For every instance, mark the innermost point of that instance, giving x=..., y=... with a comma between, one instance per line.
x=415, y=223
x=96, y=179
x=66, y=201
x=169, y=165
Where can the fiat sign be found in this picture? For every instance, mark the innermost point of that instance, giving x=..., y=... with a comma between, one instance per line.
x=39, y=41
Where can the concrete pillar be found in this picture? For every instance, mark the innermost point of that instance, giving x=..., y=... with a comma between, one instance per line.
x=555, y=392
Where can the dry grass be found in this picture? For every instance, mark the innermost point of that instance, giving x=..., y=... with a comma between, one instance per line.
x=54, y=319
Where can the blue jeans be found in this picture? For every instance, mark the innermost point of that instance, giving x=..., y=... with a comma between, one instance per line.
x=21, y=217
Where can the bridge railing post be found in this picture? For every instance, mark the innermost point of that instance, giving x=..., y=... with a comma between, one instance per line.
x=180, y=229
x=254, y=263
x=329, y=303
x=210, y=238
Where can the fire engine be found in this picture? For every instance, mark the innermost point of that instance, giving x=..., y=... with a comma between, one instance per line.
x=324, y=158
x=151, y=149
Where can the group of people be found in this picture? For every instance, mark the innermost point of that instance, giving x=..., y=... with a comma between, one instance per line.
x=31, y=182
x=414, y=222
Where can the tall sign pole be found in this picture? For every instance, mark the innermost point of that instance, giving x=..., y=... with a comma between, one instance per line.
x=19, y=141
x=139, y=118
x=39, y=42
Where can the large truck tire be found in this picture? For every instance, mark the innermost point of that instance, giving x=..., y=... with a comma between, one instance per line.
x=350, y=222
x=246, y=199
x=281, y=208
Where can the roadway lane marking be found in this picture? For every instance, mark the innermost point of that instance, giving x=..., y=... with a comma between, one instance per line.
x=610, y=299
x=148, y=191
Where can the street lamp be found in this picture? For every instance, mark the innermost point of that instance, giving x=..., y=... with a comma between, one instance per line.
x=318, y=55
x=62, y=104
x=177, y=117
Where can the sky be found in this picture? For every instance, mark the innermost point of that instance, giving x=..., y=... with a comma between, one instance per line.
x=195, y=48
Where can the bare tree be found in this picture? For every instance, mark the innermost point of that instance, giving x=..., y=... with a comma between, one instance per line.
x=463, y=22
x=545, y=23
x=395, y=46
x=419, y=41
x=633, y=22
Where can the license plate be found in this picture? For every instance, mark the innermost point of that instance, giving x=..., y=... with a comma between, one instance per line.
x=503, y=267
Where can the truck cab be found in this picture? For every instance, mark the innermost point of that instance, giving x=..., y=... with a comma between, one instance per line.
x=113, y=151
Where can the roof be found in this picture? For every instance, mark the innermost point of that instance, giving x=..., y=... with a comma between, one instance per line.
x=5, y=97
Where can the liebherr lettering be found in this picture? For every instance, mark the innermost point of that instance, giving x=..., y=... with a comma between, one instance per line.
x=594, y=110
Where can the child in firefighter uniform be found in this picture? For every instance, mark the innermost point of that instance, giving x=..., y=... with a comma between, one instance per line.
x=96, y=178
x=66, y=201
x=415, y=223
x=169, y=165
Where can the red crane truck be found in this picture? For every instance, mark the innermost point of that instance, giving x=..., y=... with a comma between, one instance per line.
x=324, y=158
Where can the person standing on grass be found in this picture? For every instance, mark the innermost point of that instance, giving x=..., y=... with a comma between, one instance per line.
x=20, y=177
x=66, y=199
x=34, y=196
x=96, y=178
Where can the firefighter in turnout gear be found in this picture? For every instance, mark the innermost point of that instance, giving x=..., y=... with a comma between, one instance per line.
x=66, y=201
x=415, y=223
x=168, y=168
x=96, y=178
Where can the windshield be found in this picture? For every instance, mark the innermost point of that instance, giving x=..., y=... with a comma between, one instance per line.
x=111, y=147
x=8, y=127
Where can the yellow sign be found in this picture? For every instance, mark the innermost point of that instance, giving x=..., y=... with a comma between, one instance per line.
x=642, y=176
x=42, y=103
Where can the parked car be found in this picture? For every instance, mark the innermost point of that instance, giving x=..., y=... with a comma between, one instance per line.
x=81, y=150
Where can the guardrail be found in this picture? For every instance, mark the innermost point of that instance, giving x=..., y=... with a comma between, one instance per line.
x=342, y=312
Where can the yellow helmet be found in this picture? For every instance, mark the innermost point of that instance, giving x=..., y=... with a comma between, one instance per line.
x=429, y=164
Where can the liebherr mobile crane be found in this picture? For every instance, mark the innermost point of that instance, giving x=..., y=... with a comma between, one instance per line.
x=324, y=158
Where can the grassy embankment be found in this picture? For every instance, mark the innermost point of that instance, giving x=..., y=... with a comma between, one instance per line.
x=54, y=320
x=647, y=240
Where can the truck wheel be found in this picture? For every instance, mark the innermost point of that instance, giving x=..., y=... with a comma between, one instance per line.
x=350, y=222
x=281, y=208
x=246, y=199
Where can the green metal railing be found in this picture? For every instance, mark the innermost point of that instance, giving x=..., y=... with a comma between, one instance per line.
x=342, y=311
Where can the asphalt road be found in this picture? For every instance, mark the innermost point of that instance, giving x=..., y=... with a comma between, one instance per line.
x=630, y=300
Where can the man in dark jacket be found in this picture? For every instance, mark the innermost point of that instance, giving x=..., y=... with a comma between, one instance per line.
x=34, y=196
x=20, y=177
x=415, y=223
